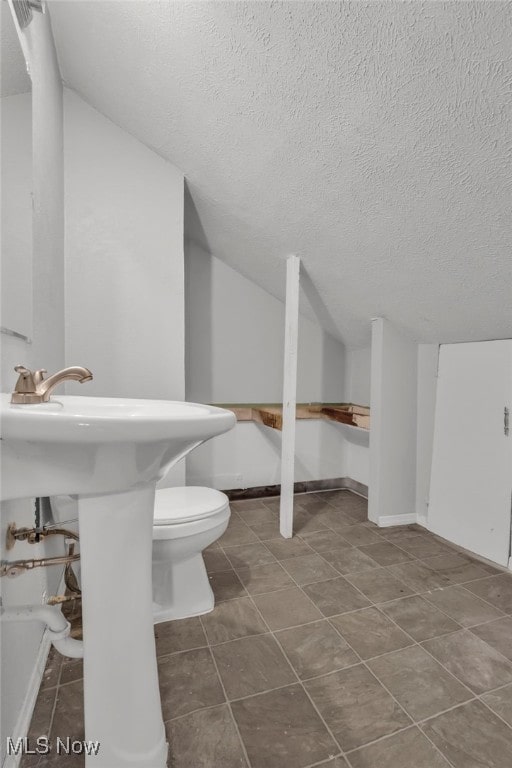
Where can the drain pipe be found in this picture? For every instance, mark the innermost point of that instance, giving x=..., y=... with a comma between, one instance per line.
x=57, y=625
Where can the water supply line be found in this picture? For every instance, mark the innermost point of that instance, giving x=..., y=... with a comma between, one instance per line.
x=58, y=627
x=13, y=568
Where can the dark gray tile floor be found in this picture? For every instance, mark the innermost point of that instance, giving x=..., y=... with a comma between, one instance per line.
x=349, y=646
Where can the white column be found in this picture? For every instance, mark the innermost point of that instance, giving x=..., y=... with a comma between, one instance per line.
x=428, y=356
x=48, y=191
x=392, y=486
x=289, y=394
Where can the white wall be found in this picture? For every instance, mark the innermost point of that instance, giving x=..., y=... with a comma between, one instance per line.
x=19, y=642
x=392, y=486
x=428, y=355
x=358, y=375
x=48, y=179
x=235, y=336
x=16, y=201
x=16, y=234
x=41, y=151
x=124, y=318
x=234, y=332
x=250, y=455
x=357, y=452
x=357, y=390
x=37, y=163
x=124, y=260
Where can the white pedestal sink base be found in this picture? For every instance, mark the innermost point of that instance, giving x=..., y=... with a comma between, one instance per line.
x=121, y=694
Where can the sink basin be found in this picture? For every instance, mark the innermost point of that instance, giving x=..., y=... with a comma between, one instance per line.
x=98, y=444
x=109, y=453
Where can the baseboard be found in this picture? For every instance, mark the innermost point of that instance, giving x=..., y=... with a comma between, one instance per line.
x=27, y=709
x=305, y=486
x=355, y=486
x=385, y=521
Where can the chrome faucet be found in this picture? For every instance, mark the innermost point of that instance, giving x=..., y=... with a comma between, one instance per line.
x=32, y=387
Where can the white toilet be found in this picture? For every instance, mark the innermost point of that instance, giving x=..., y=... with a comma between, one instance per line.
x=186, y=521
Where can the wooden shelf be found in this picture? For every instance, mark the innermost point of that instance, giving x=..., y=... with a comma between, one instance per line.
x=271, y=414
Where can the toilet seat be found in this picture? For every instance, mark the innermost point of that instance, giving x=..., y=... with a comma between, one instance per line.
x=187, y=504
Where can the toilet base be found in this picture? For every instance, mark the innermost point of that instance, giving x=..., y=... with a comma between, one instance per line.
x=181, y=589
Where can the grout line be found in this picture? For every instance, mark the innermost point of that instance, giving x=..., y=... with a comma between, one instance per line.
x=390, y=736
x=194, y=711
x=496, y=714
x=163, y=656
x=473, y=696
x=414, y=642
x=483, y=598
x=445, y=711
x=363, y=662
x=498, y=688
x=418, y=643
x=52, y=716
x=228, y=702
x=377, y=605
x=327, y=761
x=231, y=639
x=371, y=603
x=413, y=721
x=463, y=629
x=70, y=682
x=257, y=694
x=438, y=750
x=413, y=559
x=471, y=626
x=306, y=692
x=298, y=680
x=56, y=688
x=328, y=619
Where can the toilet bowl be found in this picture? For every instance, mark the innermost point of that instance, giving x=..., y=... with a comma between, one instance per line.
x=186, y=520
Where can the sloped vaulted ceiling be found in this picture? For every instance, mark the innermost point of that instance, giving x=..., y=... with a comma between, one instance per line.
x=13, y=71
x=372, y=138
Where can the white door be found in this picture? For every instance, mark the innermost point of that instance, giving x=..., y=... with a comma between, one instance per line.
x=471, y=480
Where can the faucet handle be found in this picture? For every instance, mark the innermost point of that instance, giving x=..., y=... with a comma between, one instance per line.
x=39, y=376
x=25, y=381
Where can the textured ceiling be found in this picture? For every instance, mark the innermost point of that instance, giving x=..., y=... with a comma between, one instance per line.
x=372, y=138
x=14, y=78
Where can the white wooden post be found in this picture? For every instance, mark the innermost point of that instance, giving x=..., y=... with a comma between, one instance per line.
x=393, y=403
x=289, y=395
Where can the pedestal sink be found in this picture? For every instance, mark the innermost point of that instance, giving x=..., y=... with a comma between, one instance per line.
x=110, y=453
